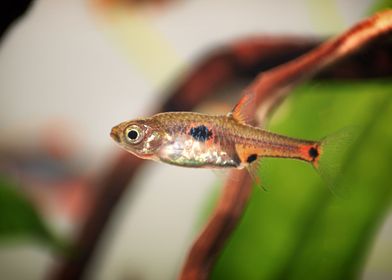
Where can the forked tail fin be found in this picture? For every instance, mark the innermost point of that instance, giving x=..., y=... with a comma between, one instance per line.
x=333, y=153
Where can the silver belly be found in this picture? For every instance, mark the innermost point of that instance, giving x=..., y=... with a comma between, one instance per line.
x=191, y=153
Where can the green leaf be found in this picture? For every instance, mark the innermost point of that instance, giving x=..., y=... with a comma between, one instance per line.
x=300, y=229
x=19, y=220
x=381, y=5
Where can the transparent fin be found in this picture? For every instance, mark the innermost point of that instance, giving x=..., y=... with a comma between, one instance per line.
x=334, y=150
x=227, y=145
x=254, y=172
x=221, y=139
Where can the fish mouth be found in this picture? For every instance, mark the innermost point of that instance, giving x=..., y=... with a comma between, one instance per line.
x=114, y=135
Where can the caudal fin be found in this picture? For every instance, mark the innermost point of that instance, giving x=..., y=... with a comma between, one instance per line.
x=333, y=153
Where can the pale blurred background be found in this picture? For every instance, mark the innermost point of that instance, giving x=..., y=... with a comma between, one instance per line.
x=69, y=72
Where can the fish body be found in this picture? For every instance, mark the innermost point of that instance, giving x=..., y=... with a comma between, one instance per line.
x=207, y=141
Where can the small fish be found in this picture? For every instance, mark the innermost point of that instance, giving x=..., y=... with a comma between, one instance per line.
x=207, y=141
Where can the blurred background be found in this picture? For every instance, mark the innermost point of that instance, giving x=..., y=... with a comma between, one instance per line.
x=70, y=70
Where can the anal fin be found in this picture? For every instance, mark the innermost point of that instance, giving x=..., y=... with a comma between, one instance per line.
x=249, y=159
x=254, y=169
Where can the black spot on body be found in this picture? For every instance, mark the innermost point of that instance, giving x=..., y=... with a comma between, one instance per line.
x=313, y=152
x=251, y=158
x=200, y=133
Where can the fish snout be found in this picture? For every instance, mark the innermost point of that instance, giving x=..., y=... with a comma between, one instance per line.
x=114, y=134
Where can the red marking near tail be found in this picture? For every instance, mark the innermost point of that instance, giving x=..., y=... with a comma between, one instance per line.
x=311, y=153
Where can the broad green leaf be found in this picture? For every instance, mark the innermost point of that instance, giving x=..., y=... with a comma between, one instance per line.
x=300, y=229
x=19, y=220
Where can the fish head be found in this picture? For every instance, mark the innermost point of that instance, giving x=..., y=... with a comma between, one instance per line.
x=141, y=137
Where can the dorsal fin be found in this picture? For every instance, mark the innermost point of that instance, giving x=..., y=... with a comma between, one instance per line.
x=244, y=110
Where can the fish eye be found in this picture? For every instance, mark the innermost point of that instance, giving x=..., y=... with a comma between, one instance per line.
x=134, y=134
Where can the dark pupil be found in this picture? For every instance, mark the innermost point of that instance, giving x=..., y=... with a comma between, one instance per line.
x=133, y=134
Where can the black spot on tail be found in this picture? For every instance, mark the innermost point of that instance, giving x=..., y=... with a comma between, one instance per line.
x=200, y=133
x=313, y=153
x=251, y=158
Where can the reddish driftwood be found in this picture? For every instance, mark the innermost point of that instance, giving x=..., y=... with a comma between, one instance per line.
x=274, y=85
x=226, y=215
x=239, y=60
x=269, y=89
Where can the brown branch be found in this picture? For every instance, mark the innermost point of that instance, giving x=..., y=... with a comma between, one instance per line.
x=241, y=59
x=270, y=88
x=112, y=187
x=227, y=213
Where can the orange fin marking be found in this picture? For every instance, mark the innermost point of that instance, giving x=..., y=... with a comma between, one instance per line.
x=244, y=152
x=244, y=110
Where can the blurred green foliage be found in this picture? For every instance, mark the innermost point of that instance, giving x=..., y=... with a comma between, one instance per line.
x=299, y=229
x=381, y=5
x=19, y=219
